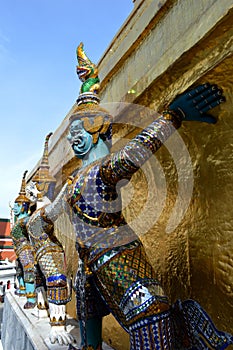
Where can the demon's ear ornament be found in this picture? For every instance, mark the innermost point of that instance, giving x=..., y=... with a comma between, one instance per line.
x=87, y=72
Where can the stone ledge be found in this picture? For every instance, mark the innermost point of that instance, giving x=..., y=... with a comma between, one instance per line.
x=23, y=330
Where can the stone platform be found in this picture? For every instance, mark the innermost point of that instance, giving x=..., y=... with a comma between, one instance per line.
x=23, y=330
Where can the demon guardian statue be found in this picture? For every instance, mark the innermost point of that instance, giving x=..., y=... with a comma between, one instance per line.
x=114, y=274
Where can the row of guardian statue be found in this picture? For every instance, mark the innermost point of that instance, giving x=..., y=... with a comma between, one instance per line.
x=114, y=274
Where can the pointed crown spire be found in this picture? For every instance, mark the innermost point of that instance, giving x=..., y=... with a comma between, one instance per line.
x=88, y=74
x=22, y=193
x=95, y=118
x=42, y=174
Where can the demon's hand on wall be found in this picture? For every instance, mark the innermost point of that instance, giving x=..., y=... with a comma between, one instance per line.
x=194, y=104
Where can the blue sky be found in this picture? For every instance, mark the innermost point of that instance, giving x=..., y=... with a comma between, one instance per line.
x=38, y=81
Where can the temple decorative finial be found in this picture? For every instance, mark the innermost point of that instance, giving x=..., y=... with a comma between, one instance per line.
x=87, y=72
x=45, y=157
x=22, y=193
x=43, y=174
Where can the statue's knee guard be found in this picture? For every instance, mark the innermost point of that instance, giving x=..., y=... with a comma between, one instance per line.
x=148, y=316
x=58, y=289
x=152, y=333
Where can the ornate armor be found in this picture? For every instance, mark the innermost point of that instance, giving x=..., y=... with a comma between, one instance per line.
x=114, y=273
x=23, y=247
x=49, y=253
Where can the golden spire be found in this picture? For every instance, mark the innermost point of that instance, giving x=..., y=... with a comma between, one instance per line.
x=42, y=174
x=22, y=193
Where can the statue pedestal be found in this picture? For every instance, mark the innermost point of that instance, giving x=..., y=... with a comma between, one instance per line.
x=23, y=330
